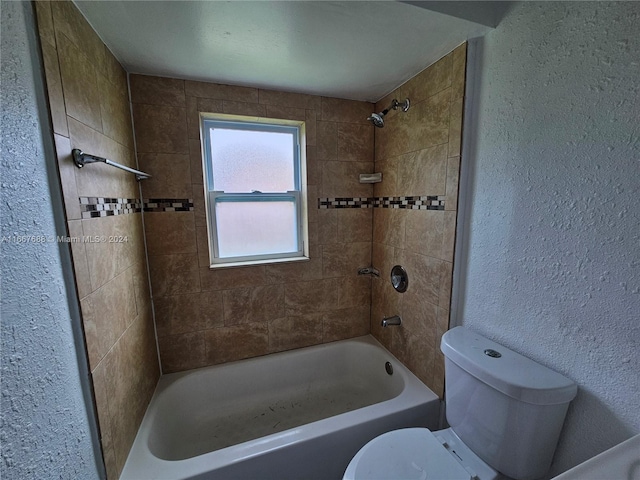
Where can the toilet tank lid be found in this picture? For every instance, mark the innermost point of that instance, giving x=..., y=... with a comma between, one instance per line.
x=510, y=373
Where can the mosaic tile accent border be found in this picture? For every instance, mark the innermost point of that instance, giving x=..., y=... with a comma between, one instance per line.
x=95, y=207
x=429, y=202
x=168, y=205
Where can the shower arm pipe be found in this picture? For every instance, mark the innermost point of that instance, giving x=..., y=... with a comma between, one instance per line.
x=81, y=159
x=395, y=104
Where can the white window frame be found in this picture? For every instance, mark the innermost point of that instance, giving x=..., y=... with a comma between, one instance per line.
x=298, y=196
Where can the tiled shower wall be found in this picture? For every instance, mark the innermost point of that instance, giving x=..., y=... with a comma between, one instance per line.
x=418, y=153
x=208, y=316
x=89, y=106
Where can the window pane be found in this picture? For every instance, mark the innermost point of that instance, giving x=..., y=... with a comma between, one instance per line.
x=256, y=228
x=245, y=160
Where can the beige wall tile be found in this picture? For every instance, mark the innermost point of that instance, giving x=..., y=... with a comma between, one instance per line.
x=190, y=312
x=67, y=170
x=295, y=332
x=244, y=108
x=114, y=71
x=54, y=86
x=310, y=297
x=297, y=271
x=107, y=259
x=141, y=287
x=313, y=234
x=219, y=91
x=312, y=203
x=389, y=226
x=389, y=186
x=313, y=166
x=423, y=172
x=170, y=175
x=424, y=231
x=378, y=312
x=355, y=142
x=458, y=73
x=227, y=344
x=449, y=236
x=455, y=128
x=195, y=157
x=342, y=179
x=286, y=113
x=382, y=258
x=99, y=179
x=209, y=105
x=327, y=140
x=424, y=276
x=87, y=83
x=100, y=386
x=229, y=278
x=345, y=259
x=446, y=280
x=157, y=90
x=69, y=21
x=453, y=174
x=202, y=241
x=256, y=304
x=80, y=265
x=131, y=375
x=160, y=129
x=106, y=313
x=174, y=274
x=79, y=82
x=170, y=232
x=183, y=352
x=45, y=23
x=419, y=317
x=413, y=352
x=353, y=291
x=327, y=226
x=345, y=323
x=354, y=224
x=115, y=111
x=430, y=81
x=431, y=122
x=411, y=152
x=310, y=127
x=199, y=205
x=292, y=100
x=193, y=117
x=350, y=111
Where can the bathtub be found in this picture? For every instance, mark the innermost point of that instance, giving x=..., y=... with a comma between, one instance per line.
x=301, y=414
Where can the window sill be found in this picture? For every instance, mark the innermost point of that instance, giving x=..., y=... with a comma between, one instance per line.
x=251, y=263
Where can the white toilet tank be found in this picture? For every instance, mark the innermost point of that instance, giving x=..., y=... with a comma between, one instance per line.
x=505, y=407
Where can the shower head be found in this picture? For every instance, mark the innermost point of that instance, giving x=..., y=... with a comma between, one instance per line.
x=377, y=119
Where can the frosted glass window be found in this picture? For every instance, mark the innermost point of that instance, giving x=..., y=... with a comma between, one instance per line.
x=246, y=161
x=256, y=205
x=256, y=228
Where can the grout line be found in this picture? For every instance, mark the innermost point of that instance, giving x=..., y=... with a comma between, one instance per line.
x=144, y=236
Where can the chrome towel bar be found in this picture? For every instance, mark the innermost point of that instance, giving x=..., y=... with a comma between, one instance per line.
x=80, y=158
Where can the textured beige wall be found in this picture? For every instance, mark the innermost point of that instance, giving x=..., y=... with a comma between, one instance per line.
x=89, y=102
x=207, y=316
x=418, y=153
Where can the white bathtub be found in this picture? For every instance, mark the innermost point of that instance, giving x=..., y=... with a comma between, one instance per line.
x=296, y=415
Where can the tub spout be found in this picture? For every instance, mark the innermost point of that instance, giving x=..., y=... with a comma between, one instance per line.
x=388, y=321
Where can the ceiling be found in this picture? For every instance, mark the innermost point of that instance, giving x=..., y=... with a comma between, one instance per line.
x=357, y=50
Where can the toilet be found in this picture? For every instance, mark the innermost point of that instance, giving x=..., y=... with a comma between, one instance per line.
x=505, y=413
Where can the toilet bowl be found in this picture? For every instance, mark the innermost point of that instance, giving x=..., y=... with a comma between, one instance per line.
x=418, y=454
x=505, y=413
